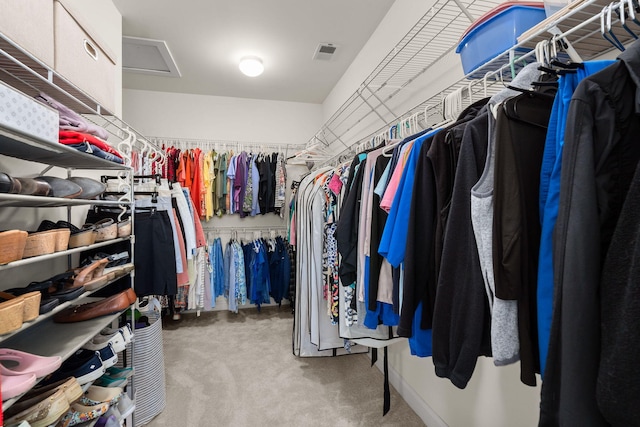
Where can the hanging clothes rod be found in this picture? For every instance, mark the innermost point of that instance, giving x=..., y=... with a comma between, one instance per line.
x=242, y=229
x=222, y=144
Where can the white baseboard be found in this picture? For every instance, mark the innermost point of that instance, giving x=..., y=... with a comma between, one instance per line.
x=413, y=399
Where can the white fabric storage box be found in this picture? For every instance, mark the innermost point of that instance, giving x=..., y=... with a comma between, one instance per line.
x=26, y=115
x=82, y=58
x=29, y=24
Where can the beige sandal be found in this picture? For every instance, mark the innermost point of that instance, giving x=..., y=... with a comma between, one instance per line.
x=106, y=229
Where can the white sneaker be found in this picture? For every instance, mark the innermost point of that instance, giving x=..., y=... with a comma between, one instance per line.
x=100, y=341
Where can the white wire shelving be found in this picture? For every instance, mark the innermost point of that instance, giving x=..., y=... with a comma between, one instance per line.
x=433, y=37
x=22, y=71
x=437, y=34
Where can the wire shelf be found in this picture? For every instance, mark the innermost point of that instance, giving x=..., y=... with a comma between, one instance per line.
x=434, y=36
x=579, y=24
x=22, y=71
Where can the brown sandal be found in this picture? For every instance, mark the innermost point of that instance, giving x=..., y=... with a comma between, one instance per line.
x=92, y=276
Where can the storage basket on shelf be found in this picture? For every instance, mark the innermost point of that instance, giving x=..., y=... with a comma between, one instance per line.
x=496, y=34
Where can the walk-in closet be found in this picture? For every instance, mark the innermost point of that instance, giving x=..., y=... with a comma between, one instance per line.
x=361, y=213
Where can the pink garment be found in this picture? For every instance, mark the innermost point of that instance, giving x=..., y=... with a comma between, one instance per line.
x=335, y=185
x=183, y=278
x=392, y=188
x=201, y=241
x=292, y=231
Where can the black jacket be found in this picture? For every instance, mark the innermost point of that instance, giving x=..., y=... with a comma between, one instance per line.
x=600, y=155
x=433, y=185
x=618, y=386
x=461, y=318
x=347, y=229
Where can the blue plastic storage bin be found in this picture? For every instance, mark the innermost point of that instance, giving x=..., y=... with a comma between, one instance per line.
x=497, y=34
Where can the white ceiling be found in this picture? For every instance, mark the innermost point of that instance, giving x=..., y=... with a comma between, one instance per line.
x=207, y=38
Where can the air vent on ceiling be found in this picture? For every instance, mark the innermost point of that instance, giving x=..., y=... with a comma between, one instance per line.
x=325, y=51
x=148, y=56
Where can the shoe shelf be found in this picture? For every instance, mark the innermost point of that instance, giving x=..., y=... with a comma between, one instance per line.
x=60, y=339
x=57, y=339
x=26, y=147
x=40, y=258
x=41, y=318
x=20, y=70
x=19, y=200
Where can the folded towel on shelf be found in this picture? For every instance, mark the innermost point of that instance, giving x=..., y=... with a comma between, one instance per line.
x=70, y=120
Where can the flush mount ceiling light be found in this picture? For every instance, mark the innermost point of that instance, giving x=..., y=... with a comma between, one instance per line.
x=251, y=66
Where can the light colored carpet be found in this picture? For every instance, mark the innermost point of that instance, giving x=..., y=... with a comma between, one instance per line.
x=225, y=369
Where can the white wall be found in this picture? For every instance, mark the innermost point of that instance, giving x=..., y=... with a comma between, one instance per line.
x=494, y=397
x=400, y=18
x=190, y=116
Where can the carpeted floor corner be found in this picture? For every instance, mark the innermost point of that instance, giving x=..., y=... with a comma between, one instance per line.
x=225, y=369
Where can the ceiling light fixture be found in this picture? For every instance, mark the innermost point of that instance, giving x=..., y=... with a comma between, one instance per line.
x=251, y=66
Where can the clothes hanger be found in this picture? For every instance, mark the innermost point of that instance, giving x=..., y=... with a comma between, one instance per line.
x=633, y=8
x=621, y=15
x=606, y=30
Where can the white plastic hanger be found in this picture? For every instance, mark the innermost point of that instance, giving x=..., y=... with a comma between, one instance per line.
x=606, y=30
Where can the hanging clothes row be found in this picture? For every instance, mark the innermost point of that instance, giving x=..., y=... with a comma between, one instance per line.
x=252, y=272
x=509, y=233
x=323, y=323
x=169, y=236
x=222, y=182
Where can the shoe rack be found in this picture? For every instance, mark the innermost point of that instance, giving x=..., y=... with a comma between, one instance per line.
x=21, y=71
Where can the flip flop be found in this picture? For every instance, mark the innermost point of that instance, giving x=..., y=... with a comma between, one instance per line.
x=16, y=362
x=15, y=385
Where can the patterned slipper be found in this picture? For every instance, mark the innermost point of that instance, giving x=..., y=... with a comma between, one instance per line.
x=79, y=413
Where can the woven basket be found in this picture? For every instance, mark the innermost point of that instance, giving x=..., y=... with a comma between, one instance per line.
x=124, y=228
x=31, y=305
x=83, y=238
x=11, y=315
x=12, y=244
x=40, y=243
x=62, y=238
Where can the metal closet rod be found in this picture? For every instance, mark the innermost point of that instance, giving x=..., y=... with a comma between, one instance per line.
x=241, y=229
x=220, y=143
